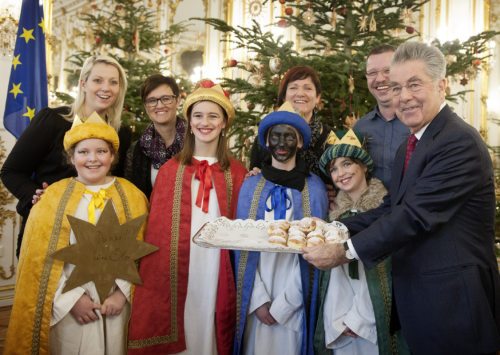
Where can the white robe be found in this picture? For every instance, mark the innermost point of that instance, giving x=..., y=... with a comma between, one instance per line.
x=278, y=281
x=199, y=311
x=67, y=336
x=348, y=303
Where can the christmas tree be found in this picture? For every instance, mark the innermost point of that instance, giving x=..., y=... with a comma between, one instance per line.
x=336, y=37
x=125, y=30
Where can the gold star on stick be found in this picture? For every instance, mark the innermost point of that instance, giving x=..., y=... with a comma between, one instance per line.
x=104, y=252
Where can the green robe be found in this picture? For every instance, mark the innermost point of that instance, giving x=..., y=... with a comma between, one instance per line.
x=378, y=278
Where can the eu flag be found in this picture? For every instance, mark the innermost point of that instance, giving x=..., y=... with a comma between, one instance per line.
x=27, y=92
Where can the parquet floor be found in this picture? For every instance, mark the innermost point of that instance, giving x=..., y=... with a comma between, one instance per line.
x=4, y=321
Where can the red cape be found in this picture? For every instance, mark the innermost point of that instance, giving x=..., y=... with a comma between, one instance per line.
x=157, y=319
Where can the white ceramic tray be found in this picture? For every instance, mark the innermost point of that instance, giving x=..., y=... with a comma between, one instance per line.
x=245, y=234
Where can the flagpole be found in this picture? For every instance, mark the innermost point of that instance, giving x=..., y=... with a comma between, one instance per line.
x=47, y=9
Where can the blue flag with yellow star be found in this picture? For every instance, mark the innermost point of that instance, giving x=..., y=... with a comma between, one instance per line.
x=27, y=92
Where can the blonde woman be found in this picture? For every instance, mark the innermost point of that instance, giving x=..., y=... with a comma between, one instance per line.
x=37, y=159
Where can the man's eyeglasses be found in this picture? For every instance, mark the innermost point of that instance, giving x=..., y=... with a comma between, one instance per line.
x=373, y=73
x=166, y=100
x=413, y=87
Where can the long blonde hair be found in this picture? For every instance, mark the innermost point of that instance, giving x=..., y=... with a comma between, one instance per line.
x=114, y=113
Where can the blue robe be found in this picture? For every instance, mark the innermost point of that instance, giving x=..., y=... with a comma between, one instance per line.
x=315, y=204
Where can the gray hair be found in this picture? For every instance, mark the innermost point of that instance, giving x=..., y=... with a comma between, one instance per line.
x=114, y=113
x=432, y=57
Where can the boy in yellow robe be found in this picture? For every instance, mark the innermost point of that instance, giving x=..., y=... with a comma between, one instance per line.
x=44, y=318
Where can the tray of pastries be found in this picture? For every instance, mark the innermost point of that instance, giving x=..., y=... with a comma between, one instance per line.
x=270, y=236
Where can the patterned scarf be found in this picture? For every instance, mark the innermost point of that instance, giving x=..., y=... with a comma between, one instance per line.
x=153, y=145
x=310, y=155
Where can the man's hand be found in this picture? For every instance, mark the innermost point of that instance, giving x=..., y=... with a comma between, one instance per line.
x=84, y=310
x=264, y=315
x=325, y=256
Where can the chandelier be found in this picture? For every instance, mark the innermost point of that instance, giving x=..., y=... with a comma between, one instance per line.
x=8, y=32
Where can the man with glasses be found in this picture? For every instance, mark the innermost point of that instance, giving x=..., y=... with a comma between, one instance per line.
x=437, y=222
x=382, y=130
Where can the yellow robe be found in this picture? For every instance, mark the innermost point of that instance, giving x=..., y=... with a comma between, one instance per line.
x=48, y=230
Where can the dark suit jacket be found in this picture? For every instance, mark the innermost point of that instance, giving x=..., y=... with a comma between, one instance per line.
x=438, y=225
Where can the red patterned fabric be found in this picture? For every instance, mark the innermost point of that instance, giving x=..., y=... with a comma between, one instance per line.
x=410, y=147
x=155, y=326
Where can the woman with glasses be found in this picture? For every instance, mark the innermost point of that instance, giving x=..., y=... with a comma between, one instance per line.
x=38, y=160
x=162, y=139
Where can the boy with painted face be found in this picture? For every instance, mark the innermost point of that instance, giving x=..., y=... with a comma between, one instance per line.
x=274, y=289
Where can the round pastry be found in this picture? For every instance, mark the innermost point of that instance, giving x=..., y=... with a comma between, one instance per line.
x=307, y=224
x=283, y=225
x=320, y=224
x=333, y=235
x=278, y=236
x=296, y=231
x=297, y=241
x=315, y=241
x=315, y=237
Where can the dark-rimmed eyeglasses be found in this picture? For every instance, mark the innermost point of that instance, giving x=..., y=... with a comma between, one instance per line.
x=165, y=99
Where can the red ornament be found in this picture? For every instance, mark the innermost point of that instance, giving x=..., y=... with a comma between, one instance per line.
x=166, y=50
x=464, y=81
x=250, y=106
x=282, y=1
x=342, y=11
x=476, y=62
x=410, y=29
x=205, y=83
x=97, y=40
x=289, y=11
x=232, y=62
x=282, y=23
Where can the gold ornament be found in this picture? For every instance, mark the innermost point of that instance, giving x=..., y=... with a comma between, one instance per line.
x=308, y=17
x=407, y=16
x=275, y=65
x=351, y=84
x=363, y=23
x=373, y=23
x=333, y=20
x=121, y=42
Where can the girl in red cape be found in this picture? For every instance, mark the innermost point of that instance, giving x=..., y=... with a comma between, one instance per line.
x=187, y=301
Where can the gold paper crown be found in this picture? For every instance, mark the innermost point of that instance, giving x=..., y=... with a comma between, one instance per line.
x=214, y=94
x=350, y=138
x=287, y=107
x=93, y=127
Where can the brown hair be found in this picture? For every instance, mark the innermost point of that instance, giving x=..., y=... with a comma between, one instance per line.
x=383, y=48
x=71, y=151
x=298, y=73
x=223, y=156
x=156, y=80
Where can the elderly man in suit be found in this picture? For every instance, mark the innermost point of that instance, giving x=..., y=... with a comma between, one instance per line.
x=437, y=222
